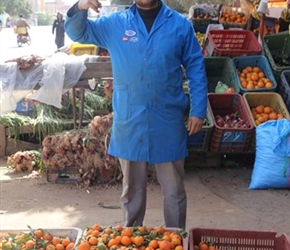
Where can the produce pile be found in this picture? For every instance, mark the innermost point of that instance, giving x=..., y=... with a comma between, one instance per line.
x=132, y=238
x=262, y=113
x=23, y=161
x=83, y=150
x=36, y=239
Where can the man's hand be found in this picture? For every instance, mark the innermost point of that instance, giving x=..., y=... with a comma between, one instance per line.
x=194, y=124
x=86, y=4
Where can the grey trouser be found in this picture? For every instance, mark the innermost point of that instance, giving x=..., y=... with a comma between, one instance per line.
x=170, y=176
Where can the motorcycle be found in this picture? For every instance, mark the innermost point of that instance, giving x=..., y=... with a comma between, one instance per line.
x=22, y=39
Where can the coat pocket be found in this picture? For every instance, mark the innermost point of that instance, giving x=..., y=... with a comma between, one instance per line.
x=121, y=102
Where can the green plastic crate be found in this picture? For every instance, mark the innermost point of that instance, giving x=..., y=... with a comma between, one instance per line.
x=275, y=46
x=221, y=69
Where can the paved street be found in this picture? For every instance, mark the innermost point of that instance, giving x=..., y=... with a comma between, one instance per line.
x=42, y=43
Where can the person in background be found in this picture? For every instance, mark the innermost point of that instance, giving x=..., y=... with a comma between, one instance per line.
x=58, y=27
x=284, y=19
x=22, y=23
x=148, y=44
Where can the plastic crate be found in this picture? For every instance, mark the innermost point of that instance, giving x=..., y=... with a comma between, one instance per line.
x=234, y=11
x=231, y=43
x=200, y=140
x=230, y=140
x=284, y=87
x=74, y=233
x=260, y=61
x=225, y=239
x=82, y=49
x=221, y=69
x=65, y=175
x=24, y=108
x=275, y=46
x=271, y=99
x=199, y=20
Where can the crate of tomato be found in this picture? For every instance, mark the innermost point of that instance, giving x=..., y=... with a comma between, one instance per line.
x=233, y=129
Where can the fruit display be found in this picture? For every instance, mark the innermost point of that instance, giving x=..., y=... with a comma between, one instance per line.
x=122, y=238
x=233, y=17
x=262, y=113
x=200, y=37
x=254, y=78
x=40, y=239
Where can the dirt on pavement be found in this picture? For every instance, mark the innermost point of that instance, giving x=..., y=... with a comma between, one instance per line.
x=218, y=197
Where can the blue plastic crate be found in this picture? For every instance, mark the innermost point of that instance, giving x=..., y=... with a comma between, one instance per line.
x=24, y=108
x=200, y=140
x=260, y=61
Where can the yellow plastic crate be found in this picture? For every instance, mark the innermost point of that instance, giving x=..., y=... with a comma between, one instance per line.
x=82, y=49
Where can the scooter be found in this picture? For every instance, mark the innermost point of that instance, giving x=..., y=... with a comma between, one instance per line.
x=22, y=39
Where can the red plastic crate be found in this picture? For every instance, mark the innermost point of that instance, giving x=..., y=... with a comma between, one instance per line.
x=226, y=239
x=230, y=140
x=231, y=43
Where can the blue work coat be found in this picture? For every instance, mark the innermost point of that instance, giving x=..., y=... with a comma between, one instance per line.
x=148, y=98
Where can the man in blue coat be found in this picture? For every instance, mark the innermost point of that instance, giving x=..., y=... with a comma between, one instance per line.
x=148, y=44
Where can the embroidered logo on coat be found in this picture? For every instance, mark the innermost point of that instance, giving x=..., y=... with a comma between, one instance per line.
x=130, y=33
x=134, y=39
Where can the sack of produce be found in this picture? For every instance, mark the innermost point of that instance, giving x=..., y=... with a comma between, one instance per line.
x=272, y=163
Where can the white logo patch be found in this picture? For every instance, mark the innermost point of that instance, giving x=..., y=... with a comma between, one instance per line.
x=130, y=33
x=133, y=39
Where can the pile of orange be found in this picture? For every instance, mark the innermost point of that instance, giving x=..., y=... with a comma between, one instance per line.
x=262, y=113
x=134, y=238
x=254, y=78
x=233, y=17
x=36, y=240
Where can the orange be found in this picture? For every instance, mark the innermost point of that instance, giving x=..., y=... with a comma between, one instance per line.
x=70, y=246
x=84, y=246
x=97, y=227
x=108, y=230
x=261, y=75
x=105, y=238
x=269, y=85
x=55, y=240
x=29, y=244
x=59, y=246
x=138, y=240
x=267, y=110
x=280, y=116
x=250, y=85
x=254, y=76
x=249, y=68
x=261, y=84
x=256, y=69
x=261, y=119
x=47, y=236
x=203, y=247
x=93, y=240
x=111, y=243
x=178, y=248
x=119, y=227
x=50, y=247
x=273, y=116
x=142, y=230
x=65, y=241
x=126, y=240
x=38, y=233
x=260, y=109
x=164, y=245
x=127, y=231
x=153, y=244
